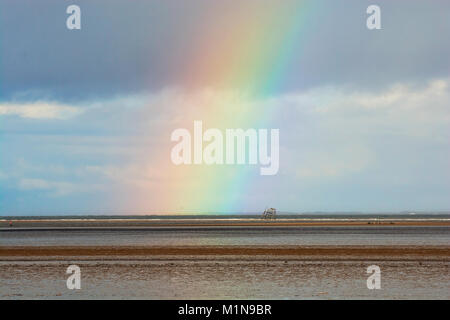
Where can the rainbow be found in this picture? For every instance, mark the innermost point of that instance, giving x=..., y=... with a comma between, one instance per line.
x=236, y=64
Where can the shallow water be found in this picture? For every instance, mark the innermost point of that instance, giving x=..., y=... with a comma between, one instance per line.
x=335, y=235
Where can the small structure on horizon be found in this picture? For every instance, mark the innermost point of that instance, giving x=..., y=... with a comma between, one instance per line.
x=270, y=213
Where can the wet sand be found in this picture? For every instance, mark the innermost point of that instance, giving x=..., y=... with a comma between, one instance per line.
x=217, y=279
x=333, y=252
x=212, y=259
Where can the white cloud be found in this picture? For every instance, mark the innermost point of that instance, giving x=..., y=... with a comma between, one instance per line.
x=39, y=110
x=394, y=138
x=336, y=162
x=402, y=109
x=341, y=132
x=56, y=188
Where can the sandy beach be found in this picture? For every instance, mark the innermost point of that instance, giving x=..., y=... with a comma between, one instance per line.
x=207, y=258
x=248, y=237
x=420, y=276
x=293, y=252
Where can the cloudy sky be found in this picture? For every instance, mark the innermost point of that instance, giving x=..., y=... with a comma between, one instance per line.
x=86, y=115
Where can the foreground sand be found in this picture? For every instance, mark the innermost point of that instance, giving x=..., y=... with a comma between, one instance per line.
x=224, y=279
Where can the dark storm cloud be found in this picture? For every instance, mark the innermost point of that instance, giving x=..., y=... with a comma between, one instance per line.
x=132, y=46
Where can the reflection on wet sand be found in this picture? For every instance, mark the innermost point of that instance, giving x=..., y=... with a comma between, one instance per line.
x=192, y=260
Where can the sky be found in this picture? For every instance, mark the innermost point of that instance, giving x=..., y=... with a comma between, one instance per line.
x=86, y=115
